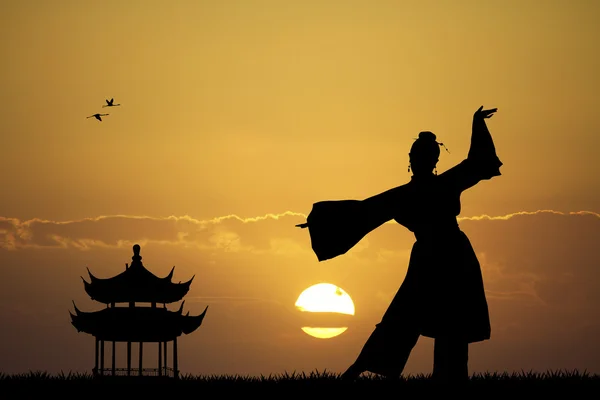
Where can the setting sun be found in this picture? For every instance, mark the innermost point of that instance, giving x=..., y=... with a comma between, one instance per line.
x=325, y=298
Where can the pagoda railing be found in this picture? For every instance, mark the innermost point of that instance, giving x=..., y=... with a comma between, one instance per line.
x=164, y=371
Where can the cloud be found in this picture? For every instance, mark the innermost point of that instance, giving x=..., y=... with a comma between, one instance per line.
x=496, y=239
x=225, y=232
x=117, y=231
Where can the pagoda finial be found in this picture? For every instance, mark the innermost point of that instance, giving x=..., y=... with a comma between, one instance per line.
x=136, y=254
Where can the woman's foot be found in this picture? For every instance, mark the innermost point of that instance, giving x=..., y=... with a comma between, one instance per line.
x=352, y=373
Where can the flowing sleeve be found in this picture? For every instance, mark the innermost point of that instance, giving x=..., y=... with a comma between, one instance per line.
x=335, y=226
x=482, y=163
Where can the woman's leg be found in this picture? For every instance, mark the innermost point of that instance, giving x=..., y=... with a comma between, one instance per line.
x=388, y=348
x=450, y=360
x=385, y=352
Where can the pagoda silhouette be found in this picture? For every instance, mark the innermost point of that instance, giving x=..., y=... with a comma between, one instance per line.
x=133, y=323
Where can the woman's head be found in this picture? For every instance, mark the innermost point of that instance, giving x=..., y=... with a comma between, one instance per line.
x=424, y=153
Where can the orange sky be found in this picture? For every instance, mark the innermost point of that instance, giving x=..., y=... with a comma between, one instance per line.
x=238, y=110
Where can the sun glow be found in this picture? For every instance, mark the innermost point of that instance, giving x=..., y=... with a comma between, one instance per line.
x=325, y=298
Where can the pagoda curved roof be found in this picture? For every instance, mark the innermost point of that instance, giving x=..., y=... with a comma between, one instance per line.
x=136, y=324
x=136, y=284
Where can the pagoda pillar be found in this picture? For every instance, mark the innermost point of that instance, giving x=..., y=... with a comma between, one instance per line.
x=175, y=371
x=128, y=358
x=159, y=358
x=140, y=363
x=114, y=369
x=96, y=357
x=165, y=357
x=102, y=357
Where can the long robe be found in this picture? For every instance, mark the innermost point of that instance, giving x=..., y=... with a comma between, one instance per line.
x=443, y=293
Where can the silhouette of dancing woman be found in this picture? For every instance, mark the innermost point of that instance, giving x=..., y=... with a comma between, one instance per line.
x=442, y=296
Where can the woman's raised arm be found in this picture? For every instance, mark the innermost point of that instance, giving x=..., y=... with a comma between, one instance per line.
x=482, y=152
x=482, y=162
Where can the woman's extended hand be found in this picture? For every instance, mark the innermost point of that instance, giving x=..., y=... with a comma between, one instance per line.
x=481, y=113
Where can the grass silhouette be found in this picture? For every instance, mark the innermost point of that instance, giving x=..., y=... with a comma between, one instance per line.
x=316, y=384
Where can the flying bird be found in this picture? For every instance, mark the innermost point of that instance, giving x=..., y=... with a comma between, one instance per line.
x=109, y=103
x=97, y=116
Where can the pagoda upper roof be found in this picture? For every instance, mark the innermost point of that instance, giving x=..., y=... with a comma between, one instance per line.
x=136, y=324
x=136, y=284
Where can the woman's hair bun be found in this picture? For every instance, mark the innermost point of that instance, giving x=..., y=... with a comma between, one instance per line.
x=426, y=135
